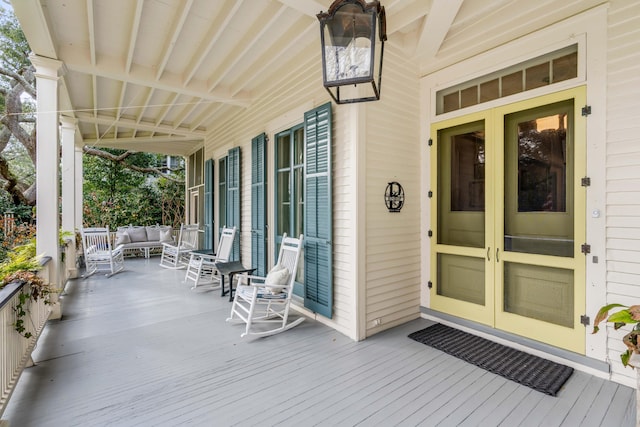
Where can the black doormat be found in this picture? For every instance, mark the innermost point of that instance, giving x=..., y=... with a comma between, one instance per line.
x=533, y=371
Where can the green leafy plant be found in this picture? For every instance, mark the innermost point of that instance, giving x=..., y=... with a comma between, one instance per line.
x=22, y=266
x=627, y=315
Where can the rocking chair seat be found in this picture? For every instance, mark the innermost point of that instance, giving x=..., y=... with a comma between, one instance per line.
x=266, y=300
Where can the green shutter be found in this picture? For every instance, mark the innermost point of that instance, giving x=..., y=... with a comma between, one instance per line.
x=208, y=204
x=318, y=280
x=233, y=198
x=258, y=204
x=222, y=193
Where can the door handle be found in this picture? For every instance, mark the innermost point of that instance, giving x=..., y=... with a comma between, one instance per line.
x=497, y=254
x=489, y=253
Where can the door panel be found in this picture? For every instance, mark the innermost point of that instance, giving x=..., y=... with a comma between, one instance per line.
x=509, y=218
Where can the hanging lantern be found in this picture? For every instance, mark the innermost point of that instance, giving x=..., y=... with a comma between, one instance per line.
x=351, y=59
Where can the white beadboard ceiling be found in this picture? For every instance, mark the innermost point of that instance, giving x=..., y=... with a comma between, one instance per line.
x=158, y=75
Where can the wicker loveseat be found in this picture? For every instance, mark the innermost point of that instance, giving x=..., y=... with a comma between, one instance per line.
x=145, y=239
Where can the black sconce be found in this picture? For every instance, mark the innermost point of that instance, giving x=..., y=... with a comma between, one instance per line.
x=349, y=50
x=394, y=196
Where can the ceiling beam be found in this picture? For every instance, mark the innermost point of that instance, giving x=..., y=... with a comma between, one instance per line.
x=176, y=29
x=91, y=25
x=133, y=124
x=436, y=26
x=310, y=7
x=133, y=37
x=239, y=52
x=217, y=29
x=112, y=68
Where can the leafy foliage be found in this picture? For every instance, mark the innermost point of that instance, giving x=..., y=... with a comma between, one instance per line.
x=628, y=315
x=115, y=195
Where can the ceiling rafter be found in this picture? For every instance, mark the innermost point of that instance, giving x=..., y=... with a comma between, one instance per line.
x=205, y=117
x=217, y=29
x=309, y=8
x=247, y=42
x=133, y=37
x=131, y=124
x=123, y=91
x=92, y=32
x=145, y=76
x=94, y=88
x=165, y=109
x=436, y=25
x=293, y=36
x=186, y=111
x=176, y=29
x=403, y=13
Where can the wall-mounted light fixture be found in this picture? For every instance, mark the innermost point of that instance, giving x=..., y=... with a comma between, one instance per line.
x=349, y=50
x=394, y=196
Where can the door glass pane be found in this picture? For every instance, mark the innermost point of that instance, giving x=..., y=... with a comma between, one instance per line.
x=542, y=293
x=461, y=160
x=538, y=181
x=461, y=277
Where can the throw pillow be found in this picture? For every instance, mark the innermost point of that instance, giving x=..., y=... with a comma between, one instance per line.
x=153, y=233
x=166, y=236
x=278, y=275
x=122, y=237
x=137, y=234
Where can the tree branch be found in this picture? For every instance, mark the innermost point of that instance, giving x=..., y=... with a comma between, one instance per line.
x=121, y=159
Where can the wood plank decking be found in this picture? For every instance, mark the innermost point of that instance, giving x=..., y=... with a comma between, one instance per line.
x=142, y=349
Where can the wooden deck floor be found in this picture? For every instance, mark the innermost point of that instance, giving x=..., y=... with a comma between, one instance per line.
x=142, y=349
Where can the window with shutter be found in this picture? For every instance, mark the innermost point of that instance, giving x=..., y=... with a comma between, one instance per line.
x=318, y=279
x=258, y=204
x=233, y=198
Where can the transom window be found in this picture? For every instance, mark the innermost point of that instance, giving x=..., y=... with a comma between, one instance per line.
x=544, y=70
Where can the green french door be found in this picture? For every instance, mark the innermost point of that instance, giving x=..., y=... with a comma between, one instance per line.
x=507, y=218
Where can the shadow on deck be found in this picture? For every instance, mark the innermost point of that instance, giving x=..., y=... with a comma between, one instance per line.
x=141, y=348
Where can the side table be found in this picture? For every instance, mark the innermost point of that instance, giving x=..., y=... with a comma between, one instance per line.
x=231, y=268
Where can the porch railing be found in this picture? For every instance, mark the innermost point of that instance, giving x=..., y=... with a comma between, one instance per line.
x=15, y=349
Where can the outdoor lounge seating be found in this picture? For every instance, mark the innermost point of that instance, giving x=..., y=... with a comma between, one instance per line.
x=98, y=253
x=176, y=256
x=144, y=239
x=201, y=268
x=261, y=301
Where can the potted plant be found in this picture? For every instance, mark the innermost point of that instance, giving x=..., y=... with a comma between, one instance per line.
x=620, y=318
x=631, y=357
x=22, y=266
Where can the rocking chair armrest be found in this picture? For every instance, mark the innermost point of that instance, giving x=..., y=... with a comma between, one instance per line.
x=245, y=279
x=118, y=249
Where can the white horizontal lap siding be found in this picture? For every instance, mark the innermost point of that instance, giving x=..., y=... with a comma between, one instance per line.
x=344, y=230
x=392, y=241
x=237, y=127
x=623, y=168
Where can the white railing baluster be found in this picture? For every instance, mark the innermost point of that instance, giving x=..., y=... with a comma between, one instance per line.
x=15, y=349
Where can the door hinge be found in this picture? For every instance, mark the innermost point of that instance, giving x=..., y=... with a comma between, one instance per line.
x=586, y=181
x=585, y=249
x=430, y=284
x=430, y=233
x=430, y=142
x=586, y=110
x=430, y=194
x=584, y=319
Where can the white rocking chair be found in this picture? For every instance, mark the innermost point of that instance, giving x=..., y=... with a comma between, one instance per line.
x=202, y=267
x=98, y=254
x=177, y=256
x=266, y=300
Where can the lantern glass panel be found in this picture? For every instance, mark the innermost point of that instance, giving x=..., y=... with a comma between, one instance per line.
x=349, y=42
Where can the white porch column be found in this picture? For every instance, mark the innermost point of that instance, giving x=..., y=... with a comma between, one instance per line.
x=47, y=163
x=79, y=188
x=68, y=127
